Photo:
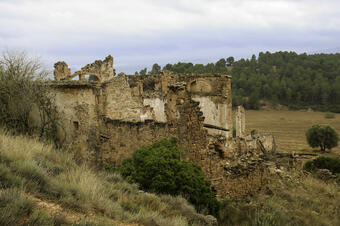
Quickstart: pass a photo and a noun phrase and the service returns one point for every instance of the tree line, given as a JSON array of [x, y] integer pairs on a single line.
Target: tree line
[[287, 78]]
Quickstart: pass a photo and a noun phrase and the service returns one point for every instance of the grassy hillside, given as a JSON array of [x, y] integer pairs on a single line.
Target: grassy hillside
[[292, 198], [289, 127], [43, 186], [40, 185]]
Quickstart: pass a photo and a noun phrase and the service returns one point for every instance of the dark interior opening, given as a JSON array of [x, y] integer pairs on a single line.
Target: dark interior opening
[[76, 125]]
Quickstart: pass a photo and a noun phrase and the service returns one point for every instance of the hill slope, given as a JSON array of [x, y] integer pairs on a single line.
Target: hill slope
[[43, 186]]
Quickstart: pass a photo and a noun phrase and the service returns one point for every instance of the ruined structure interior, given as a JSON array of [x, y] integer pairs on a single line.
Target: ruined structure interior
[[107, 117]]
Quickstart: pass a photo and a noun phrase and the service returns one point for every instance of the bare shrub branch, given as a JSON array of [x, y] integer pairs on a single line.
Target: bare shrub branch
[[21, 91]]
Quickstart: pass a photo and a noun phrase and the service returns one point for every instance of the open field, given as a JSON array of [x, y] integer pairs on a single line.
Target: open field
[[289, 127]]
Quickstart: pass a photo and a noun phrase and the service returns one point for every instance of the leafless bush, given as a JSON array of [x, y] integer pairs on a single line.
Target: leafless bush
[[22, 92]]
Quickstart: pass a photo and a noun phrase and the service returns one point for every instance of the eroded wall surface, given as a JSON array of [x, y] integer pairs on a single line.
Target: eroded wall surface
[[77, 106], [120, 104], [105, 121], [158, 107], [212, 92]]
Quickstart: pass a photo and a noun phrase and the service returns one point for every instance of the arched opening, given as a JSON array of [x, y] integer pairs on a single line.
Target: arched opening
[[200, 86], [94, 78]]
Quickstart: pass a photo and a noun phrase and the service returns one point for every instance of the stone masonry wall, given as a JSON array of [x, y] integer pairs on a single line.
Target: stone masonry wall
[[118, 139]]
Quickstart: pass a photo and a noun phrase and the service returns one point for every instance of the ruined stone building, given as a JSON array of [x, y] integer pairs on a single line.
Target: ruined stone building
[[107, 117]]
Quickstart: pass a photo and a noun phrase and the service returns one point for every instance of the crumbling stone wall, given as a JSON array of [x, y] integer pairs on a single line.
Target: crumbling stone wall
[[107, 119], [61, 71], [77, 106], [98, 71], [212, 92], [118, 138], [121, 104]]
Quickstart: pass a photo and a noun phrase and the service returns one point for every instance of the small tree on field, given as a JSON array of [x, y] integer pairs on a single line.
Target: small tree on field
[[322, 136], [159, 168]]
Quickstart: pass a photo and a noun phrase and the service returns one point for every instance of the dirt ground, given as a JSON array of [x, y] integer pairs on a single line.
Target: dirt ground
[[289, 127]]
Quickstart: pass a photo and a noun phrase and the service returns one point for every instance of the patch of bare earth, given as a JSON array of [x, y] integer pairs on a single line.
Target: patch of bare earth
[[71, 216], [55, 209]]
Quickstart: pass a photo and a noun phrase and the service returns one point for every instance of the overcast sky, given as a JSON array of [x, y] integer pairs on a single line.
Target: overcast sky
[[138, 33]]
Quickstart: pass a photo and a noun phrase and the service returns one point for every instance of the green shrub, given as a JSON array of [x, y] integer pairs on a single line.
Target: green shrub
[[322, 136], [329, 115], [159, 168], [322, 162]]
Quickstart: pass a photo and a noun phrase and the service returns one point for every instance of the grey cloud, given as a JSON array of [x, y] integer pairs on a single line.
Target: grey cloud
[[172, 48]]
